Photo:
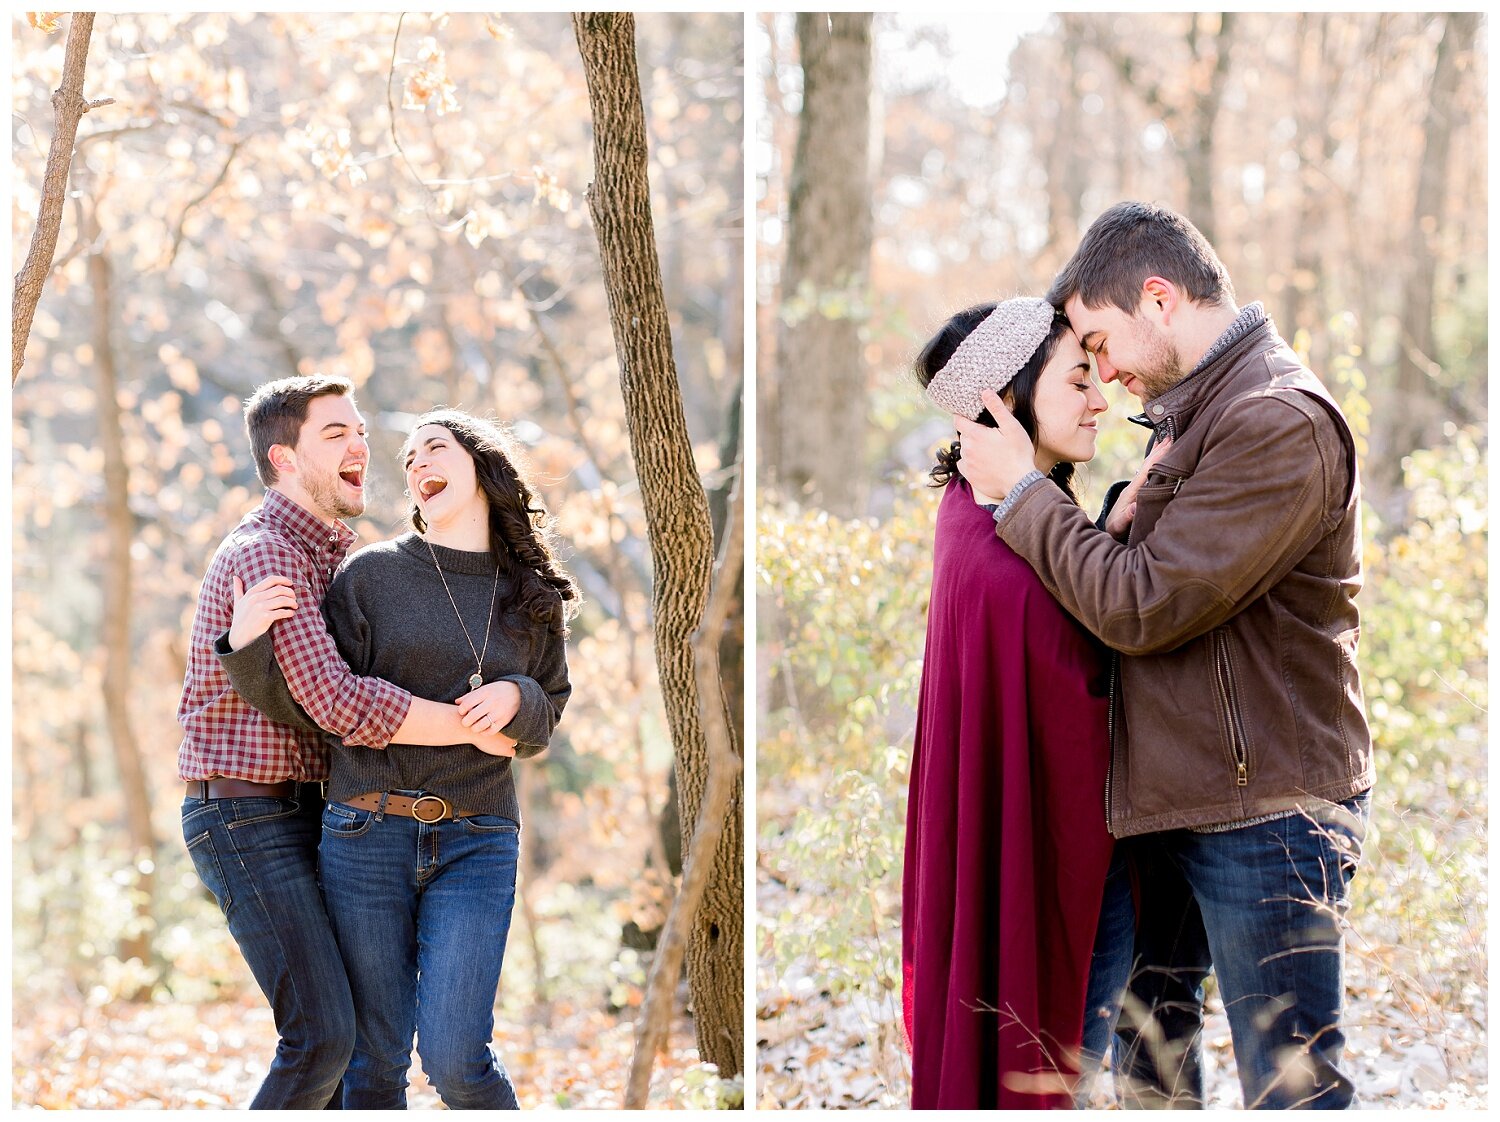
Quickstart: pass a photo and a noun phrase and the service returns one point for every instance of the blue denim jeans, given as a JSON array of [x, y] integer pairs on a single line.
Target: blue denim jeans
[[421, 912], [258, 856], [1264, 907], [1109, 971]]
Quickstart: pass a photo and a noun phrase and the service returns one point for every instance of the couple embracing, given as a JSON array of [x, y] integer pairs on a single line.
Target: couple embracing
[[359, 829], [1141, 750]]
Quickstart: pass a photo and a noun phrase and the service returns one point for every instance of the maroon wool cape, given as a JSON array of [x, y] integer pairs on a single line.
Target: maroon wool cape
[[1006, 845]]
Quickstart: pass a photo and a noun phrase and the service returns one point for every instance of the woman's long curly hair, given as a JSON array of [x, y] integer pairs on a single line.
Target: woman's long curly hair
[[522, 535], [1020, 393]]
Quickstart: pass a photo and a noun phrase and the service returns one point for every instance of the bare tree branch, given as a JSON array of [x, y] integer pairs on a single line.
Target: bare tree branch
[[199, 199], [390, 104], [69, 103]]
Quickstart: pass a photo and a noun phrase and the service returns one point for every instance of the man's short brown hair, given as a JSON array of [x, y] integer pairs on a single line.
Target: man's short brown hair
[[276, 411], [1132, 241]]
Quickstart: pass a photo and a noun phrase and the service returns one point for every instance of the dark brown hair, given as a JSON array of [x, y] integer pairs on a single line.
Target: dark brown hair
[[276, 411], [522, 535], [1132, 241], [1021, 392]]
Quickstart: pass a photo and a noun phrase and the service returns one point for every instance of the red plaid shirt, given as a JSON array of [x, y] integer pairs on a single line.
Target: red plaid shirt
[[226, 736]]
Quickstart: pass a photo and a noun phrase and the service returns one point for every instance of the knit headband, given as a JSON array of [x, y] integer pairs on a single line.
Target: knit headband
[[991, 355]]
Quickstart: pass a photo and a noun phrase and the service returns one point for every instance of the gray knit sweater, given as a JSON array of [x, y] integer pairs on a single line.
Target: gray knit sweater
[[392, 619]]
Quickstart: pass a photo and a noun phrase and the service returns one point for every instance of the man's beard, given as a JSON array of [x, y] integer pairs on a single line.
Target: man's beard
[[1160, 367], [327, 495]]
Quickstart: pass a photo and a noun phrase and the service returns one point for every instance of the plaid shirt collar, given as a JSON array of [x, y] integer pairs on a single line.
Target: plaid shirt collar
[[320, 538]]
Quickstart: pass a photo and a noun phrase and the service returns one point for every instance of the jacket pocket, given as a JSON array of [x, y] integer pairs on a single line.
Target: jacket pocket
[[1151, 500], [1226, 686]]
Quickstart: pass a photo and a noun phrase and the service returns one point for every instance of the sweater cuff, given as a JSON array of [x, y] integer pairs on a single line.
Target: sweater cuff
[[1005, 507], [532, 725]]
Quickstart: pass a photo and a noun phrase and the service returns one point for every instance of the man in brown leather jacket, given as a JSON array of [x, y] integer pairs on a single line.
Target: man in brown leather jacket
[[1240, 755]]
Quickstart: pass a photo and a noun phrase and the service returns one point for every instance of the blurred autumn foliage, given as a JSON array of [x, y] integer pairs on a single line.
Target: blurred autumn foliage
[[395, 198], [1337, 162]]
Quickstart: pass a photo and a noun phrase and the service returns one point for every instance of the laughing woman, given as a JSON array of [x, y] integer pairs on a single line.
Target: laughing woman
[[420, 845]]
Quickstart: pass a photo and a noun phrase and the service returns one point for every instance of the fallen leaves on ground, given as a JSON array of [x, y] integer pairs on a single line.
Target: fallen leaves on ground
[[816, 1053], [67, 1053]]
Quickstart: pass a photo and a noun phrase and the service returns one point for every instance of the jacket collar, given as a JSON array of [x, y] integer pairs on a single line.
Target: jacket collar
[[1170, 414]]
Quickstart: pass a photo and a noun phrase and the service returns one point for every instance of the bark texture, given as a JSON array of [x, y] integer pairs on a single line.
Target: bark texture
[[677, 518], [118, 590], [820, 369], [69, 103], [721, 792]]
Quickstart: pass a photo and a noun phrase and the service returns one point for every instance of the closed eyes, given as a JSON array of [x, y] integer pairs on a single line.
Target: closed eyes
[[431, 446]]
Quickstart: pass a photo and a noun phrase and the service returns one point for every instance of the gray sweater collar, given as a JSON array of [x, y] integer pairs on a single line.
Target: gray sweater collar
[[452, 560], [1182, 397], [1251, 316]]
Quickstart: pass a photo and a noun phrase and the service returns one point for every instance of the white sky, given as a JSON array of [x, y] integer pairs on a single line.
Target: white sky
[[979, 45]]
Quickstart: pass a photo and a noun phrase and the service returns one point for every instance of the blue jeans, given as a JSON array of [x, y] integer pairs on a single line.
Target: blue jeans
[[421, 912], [1264, 906], [1109, 971], [258, 856]]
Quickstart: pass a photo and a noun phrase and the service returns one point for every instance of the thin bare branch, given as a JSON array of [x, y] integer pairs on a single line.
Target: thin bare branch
[[69, 103], [199, 199]]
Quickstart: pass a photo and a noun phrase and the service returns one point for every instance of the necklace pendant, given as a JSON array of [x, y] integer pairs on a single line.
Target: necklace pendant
[[475, 681]]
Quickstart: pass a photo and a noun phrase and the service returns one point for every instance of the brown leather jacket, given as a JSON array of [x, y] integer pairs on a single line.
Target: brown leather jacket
[[1237, 693]]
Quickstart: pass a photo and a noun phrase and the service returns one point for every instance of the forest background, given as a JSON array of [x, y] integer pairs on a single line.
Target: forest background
[[1338, 164], [398, 199]]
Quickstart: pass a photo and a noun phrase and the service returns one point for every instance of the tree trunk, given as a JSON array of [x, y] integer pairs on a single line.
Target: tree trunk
[[768, 436], [676, 510], [1063, 158], [1210, 67], [732, 646], [664, 855], [115, 632], [820, 373], [1415, 413], [70, 106], [718, 810], [732, 643], [1304, 300], [1189, 116]]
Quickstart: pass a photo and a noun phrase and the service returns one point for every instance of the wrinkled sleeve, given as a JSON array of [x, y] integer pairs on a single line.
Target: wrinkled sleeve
[[363, 711], [256, 677], [544, 692], [1272, 466]]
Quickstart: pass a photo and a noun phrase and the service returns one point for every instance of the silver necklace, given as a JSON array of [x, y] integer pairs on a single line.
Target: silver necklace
[[475, 679]]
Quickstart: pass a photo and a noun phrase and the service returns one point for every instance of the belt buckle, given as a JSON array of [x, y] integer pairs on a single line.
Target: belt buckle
[[443, 811]]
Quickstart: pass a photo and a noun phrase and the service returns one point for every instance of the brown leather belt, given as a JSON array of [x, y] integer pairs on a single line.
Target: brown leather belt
[[421, 808], [241, 789]]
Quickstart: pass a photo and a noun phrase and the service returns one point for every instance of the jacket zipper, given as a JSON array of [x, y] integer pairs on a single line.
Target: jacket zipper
[[1114, 667], [1109, 775], [1238, 741]]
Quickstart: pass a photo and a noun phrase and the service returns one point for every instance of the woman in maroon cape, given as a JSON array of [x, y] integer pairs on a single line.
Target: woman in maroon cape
[[1006, 846]]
